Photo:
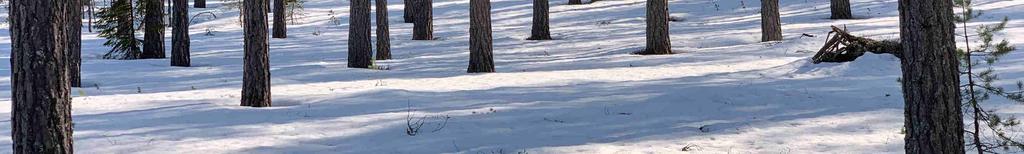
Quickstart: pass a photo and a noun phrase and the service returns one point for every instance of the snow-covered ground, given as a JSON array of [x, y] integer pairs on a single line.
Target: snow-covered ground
[[582, 93]]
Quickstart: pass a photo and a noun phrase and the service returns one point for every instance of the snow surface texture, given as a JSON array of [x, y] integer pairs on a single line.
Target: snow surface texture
[[581, 93]]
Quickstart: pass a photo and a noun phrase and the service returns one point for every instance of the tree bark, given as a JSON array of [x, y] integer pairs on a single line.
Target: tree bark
[[408, 11], [657, 28], [74, 42], [360, 50], [423, 28], [383, 32], [841, 9], [575, 2], [180, 39], [771, 27], [480, 50], [280, 25], [153, 44], [931, 77], [256, 78], [200, 3], [540, 29], [41, 102]]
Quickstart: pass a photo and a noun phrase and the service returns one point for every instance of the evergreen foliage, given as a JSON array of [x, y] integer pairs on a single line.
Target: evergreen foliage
[[116, 24]]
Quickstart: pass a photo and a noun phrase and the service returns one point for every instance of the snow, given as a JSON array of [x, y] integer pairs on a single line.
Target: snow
[[724, 92]]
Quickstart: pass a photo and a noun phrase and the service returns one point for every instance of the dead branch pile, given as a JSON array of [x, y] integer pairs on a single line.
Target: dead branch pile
[[843, 47]]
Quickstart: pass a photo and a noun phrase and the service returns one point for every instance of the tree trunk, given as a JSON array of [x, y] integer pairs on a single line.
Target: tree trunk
[[383, 32], [153, 44], [280, 25], [180, 39], [657, 28], [74, 42], [575, 2], [841, 9], [408, 12], [540, 29], [256, 78], [92, 5], [480, 49], [771, 27], [41, 102], [931, 77], [360, 50], [423, 28], [200, 3]]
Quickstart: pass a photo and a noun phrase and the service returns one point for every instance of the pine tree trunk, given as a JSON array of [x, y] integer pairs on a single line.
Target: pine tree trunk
[[423, 28], [360, 50], [126, 30], [256, 78], [480, 50], [771, 27], [153, 44], [200, 3], [280, 25], [383, 32], [540, 29], [841, 9], [931, 77], [408, 12], [575, 2], [41, 102], [180, 39], [74, 42], [657, 28]]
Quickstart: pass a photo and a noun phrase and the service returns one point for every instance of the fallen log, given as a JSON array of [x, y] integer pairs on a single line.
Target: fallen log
[[843, 47]]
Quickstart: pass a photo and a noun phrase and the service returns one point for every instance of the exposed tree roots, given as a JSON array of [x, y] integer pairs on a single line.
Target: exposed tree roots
[[843, 47]]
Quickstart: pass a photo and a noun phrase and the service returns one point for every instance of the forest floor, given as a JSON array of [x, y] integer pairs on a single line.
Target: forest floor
[[723, 92]]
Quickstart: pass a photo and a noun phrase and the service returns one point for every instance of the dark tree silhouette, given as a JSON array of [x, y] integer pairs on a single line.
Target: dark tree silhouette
[[383, 34], [280, 25], [657, 28], [540, 29], [575, 2], [153, 44], [771, 27], [423, 26], [480, 49], [200, 3], [179, 38], [256, 78], [360, 50], [409, 10], [841, 9], [41, 103], [74, 42]]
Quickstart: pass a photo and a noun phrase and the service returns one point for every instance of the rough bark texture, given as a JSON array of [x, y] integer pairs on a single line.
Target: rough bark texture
[[480, 49], [280, 25], [408, 11], [360, 50], [841, 9], [540, 29], [153, 44], [41, 103], [931, 77], [74, 42], [657, 28], [771, 27], [179, 39], [383, 32], [256, 78], [200, 3], [423, 28], [575, 2]]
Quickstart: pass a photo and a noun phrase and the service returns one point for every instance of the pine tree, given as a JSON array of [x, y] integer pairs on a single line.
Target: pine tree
[[153, 44], [423, 26], [480, 50], [540, 29], [575, 2], [74, 42], [408, 12], [116, 24], [280, 26], [40, 101], [383, 32], [657, 29], [179, 38], [200, 3], [841, 9], [771, 27], [256, 74], [360, 50]]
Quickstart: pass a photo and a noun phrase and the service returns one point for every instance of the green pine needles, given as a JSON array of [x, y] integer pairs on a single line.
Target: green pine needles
[[116, 24]]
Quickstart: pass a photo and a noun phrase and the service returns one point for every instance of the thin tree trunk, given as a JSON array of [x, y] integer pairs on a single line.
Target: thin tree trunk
[[657, 28], [931, 77], [423, 28], [540, 29], [153, 44], [280, 25], [360, 50], [383, 32], [575, 2], [256, 78], [480, 50], [180, 39], [41, 103], [408, 11], [200, 4], [771, 27], [841, 9], [74, 42], [92, 4]]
